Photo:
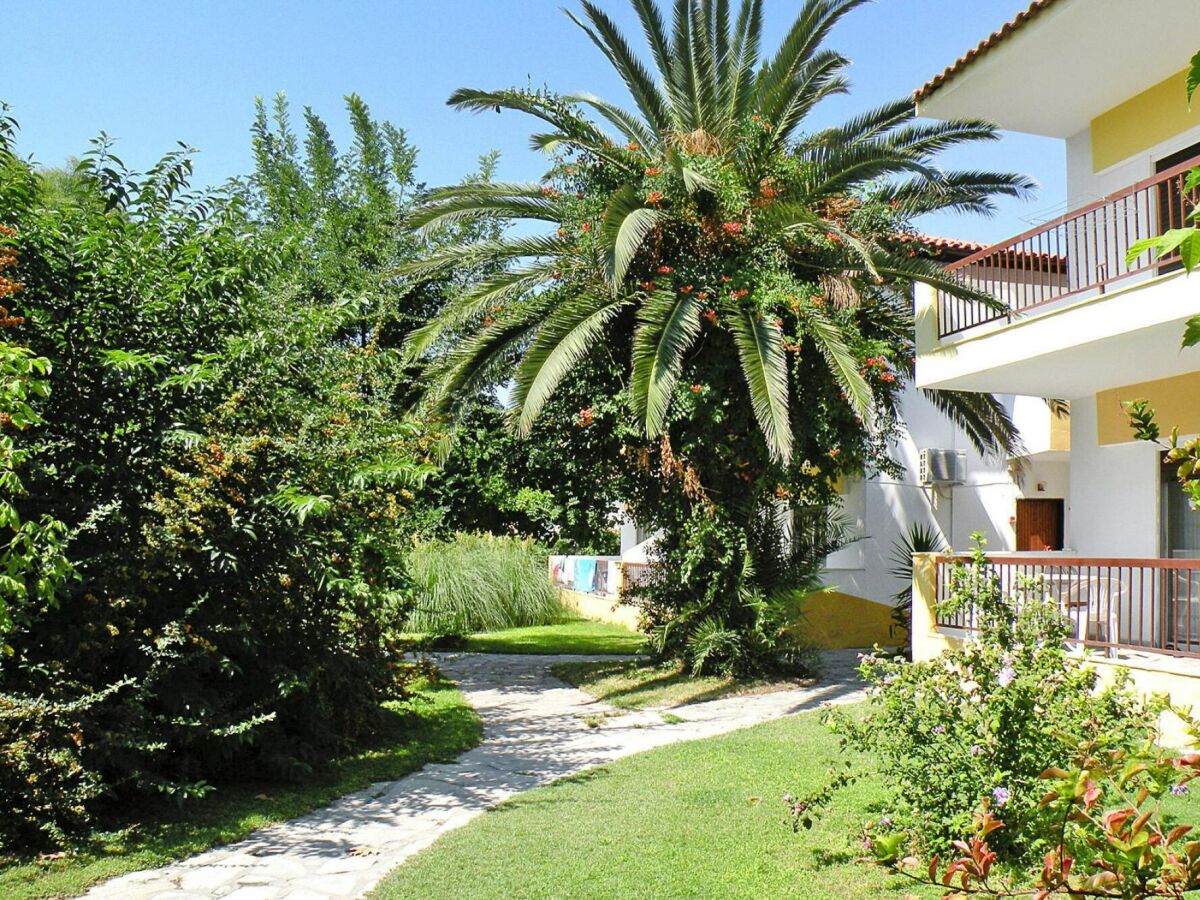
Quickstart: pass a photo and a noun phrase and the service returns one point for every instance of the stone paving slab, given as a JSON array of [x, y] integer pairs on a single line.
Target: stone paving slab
[[534, 733]]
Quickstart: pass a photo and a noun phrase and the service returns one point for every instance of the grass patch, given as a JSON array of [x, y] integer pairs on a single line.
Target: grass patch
[[701, 818], [416, 733], [631, 684], [566, 635]]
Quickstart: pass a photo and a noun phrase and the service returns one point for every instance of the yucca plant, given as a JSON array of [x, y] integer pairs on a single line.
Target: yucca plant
[[919, 538], [750, 281]]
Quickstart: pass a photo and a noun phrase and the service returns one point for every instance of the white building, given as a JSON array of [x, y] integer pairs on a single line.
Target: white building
[[1107, 78]]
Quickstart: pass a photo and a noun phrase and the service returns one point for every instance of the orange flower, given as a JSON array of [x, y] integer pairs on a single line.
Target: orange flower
[[654, 198], [665, 270], [732, 227], [584, 418], [653, 171], [696, 388], [647, 285], [587, 226], [632, 148], [686, 289]]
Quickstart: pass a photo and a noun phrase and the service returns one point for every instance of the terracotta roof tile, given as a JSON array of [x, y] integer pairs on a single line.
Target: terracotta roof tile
[[985, 45]]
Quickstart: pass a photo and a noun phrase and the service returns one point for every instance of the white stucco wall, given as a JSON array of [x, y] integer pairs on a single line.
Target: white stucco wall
[[887, 507], [1114, 505]]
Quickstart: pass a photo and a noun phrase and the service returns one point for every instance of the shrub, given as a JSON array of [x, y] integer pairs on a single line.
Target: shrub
[[47, 789], [1104, 820], [984, 718], [728, 600], [479, 582]]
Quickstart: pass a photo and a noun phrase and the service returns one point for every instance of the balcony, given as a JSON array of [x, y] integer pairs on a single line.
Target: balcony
[[1076, 317], [1079, 255], [1115, 606]]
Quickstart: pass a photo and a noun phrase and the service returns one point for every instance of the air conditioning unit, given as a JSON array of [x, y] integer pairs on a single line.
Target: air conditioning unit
[[943, 466]]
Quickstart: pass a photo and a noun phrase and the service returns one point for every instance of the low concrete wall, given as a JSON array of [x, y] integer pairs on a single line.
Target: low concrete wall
[[603, 608], [1148, 674]]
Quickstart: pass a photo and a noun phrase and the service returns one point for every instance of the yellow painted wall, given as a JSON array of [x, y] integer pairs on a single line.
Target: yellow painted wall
[[837, 621], [1174, 399], [1153, 116], [1060, 431], [832, 620], [602, 609]]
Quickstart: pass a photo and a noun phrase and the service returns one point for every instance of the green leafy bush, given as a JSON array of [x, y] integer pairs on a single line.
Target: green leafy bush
[[985, 719], [1105, 819], [220, 438], [48, 791], [479, 582]]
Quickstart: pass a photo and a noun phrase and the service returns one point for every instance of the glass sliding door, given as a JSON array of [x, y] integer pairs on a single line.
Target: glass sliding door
[[1180, 539]]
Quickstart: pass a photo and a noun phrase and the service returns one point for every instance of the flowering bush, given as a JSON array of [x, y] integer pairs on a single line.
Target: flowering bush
[[981, 720], [1104, 820]]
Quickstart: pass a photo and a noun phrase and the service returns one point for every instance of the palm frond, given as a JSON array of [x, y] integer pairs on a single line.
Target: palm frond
[[818, 79], [626, 224], [493, 291], [867, 125], [958, 191], [746, 42], [927, 271], [499, 251], [567, 336], [764, 365], [605, 34], [777, 82], [468, 207], [655, 31], [684, 76], [630, 126], [668, 325], [982, 418], [842, 363]]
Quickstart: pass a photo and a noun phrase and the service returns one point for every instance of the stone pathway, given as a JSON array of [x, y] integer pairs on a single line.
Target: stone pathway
[[534, 732]]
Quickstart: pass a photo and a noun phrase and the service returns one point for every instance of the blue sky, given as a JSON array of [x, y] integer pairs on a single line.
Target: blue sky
[[150, 73]]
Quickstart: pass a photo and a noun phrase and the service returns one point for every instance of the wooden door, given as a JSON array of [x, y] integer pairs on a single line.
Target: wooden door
[[1039, 525]]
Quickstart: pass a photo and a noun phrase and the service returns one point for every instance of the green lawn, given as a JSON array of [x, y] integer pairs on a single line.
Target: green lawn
[[696, 819], [434, 731], [631, 684], [569, 635]]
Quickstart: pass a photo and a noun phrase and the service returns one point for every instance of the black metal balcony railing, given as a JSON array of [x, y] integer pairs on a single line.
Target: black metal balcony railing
[[1080, 253]]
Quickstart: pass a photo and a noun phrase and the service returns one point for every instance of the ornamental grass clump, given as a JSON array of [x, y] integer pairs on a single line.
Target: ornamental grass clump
[[980, 721], [479, 582]]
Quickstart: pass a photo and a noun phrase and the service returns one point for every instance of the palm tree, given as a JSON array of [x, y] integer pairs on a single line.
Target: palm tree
[[711, 167]]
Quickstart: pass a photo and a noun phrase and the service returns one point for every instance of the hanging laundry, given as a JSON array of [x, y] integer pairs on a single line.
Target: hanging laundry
[[585, 574]]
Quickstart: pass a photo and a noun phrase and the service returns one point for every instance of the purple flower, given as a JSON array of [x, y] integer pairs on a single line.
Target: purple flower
[[1006, 676], [976, 750], [1001, 796], [939, 729], [885, 822], [1179, 790]]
